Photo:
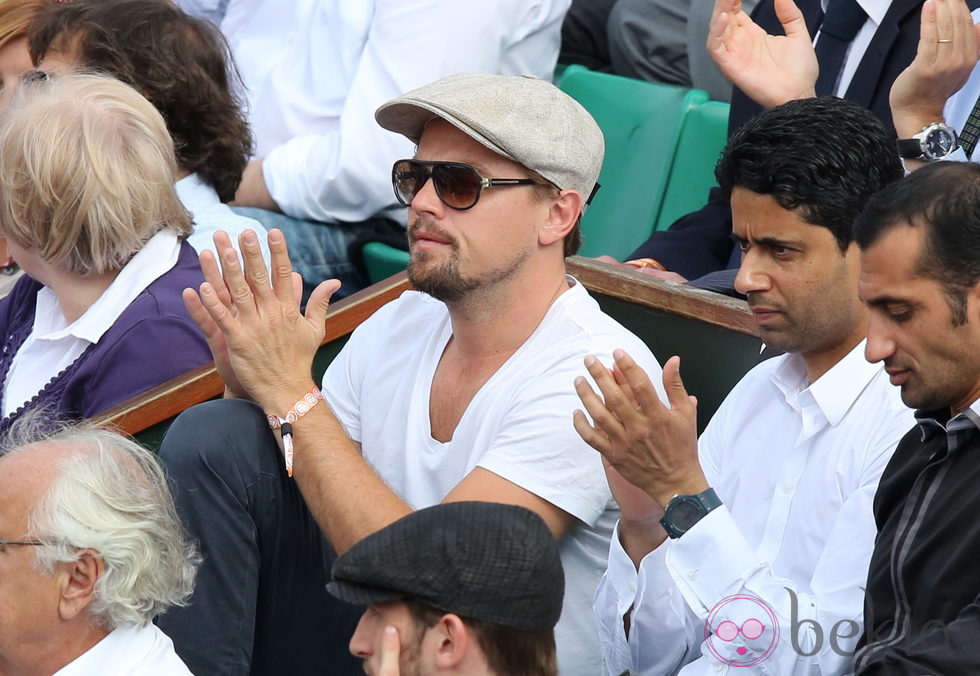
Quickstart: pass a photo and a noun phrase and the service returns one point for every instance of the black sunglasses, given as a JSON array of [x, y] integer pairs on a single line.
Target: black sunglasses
[[458, 185]]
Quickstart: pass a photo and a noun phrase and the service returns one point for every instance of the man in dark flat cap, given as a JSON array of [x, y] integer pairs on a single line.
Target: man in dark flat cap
[[458, 588]]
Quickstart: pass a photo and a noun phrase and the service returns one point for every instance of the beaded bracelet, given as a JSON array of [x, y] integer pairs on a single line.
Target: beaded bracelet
[[285, 425]]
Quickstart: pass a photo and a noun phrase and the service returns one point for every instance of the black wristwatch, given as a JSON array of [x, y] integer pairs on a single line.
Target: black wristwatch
[[934, 142], [683, 511]]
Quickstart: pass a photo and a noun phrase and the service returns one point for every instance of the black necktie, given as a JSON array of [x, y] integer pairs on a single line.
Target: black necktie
[[841, 23]]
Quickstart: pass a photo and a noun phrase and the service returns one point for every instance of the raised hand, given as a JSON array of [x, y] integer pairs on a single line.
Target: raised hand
[[652, 446], [216, 340], [949, 45], [263, 346], [770, 69]]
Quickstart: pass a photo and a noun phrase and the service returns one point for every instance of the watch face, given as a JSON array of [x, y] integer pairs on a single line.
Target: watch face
[[938, 143], [685, 513]]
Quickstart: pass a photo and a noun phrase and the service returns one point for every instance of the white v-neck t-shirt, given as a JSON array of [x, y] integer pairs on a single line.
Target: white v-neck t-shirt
[[518, 426]]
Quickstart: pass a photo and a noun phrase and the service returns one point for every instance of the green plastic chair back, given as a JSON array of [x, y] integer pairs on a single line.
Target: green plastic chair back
[[641, 122], [383, 261], [692, 173]]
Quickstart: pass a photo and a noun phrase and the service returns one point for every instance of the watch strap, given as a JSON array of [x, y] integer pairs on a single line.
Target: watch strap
[[909, 148], [708, 501]]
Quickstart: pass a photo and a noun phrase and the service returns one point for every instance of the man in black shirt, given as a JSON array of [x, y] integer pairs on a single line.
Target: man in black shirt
[[920, 276]]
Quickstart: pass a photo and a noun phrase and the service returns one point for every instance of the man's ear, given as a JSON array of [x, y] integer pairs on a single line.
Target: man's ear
[[78, 583], [453, 641], [562, 217]]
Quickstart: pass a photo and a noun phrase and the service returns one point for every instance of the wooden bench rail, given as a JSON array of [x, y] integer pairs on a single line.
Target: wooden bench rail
[[167, 400], [673, 298]]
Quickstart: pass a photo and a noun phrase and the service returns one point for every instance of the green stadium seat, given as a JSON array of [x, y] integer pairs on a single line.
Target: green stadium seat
[[641, 122], [382, 260], [692, 174]]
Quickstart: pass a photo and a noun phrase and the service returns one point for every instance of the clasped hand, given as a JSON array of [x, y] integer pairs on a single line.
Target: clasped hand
[[263, 346]]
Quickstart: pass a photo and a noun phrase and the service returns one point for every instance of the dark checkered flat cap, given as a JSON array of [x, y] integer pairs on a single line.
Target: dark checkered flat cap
[[481, 560]]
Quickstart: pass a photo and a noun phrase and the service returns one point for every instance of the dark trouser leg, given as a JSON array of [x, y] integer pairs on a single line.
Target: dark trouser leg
[[260, 605]]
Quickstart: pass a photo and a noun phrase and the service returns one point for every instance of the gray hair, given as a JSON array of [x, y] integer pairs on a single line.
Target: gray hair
[[111, 496]]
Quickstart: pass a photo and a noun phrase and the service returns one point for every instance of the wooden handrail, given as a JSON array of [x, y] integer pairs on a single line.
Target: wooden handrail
[[671, 297], [167, 400]]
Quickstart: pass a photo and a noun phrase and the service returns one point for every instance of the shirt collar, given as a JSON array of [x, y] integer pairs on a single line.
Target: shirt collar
[[832, 394], [932, 422], [156, 257], [875, 9], [195, 194]]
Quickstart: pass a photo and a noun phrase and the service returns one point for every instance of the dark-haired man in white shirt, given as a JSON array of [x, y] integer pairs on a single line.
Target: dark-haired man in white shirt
[[750, 546]]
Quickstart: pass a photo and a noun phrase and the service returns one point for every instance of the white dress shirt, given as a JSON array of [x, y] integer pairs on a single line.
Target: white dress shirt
[[129, 651], [53, 344], [316, 70], [797, 467], [210, 216]]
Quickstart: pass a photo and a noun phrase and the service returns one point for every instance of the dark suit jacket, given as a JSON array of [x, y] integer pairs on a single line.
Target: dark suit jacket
[[700, 242]]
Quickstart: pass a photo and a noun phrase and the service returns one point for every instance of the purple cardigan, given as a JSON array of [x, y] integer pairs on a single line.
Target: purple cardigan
[[152, 341]]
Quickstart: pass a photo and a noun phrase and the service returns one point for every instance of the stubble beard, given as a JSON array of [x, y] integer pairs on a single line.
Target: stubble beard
[[443, 280]]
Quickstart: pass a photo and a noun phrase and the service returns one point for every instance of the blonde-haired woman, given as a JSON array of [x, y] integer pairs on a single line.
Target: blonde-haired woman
[[90, 213], [15, 60]]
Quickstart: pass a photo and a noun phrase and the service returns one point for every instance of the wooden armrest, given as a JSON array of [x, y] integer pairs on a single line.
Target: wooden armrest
[[671, 297]]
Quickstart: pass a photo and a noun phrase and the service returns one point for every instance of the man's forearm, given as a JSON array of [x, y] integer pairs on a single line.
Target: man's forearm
[[345, 495], [253, 191]]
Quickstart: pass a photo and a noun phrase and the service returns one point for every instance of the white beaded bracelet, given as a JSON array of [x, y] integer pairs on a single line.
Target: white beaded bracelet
[[285, 425]]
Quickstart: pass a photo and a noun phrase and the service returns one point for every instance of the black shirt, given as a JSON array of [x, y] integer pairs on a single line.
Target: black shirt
[[921, 608]]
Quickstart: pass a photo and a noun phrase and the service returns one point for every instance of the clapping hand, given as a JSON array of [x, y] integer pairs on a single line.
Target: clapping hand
[[770, 69], [651, 446], [263, 346]]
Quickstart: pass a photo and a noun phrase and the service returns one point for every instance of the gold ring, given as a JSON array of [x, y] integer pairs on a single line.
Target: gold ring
[[943, 42]]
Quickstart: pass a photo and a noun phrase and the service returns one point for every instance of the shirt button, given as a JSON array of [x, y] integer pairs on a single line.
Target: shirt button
[[691, 574], [787, 488], [719, 667]]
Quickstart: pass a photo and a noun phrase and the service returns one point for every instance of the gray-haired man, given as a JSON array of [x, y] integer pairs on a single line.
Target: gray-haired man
[[461, 390], [90, 551]]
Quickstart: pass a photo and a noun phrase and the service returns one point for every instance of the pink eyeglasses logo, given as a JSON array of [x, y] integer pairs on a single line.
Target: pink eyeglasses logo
[[758, 625]]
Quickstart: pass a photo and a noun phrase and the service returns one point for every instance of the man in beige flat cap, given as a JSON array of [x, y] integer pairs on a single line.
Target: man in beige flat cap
[[459, 390]]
